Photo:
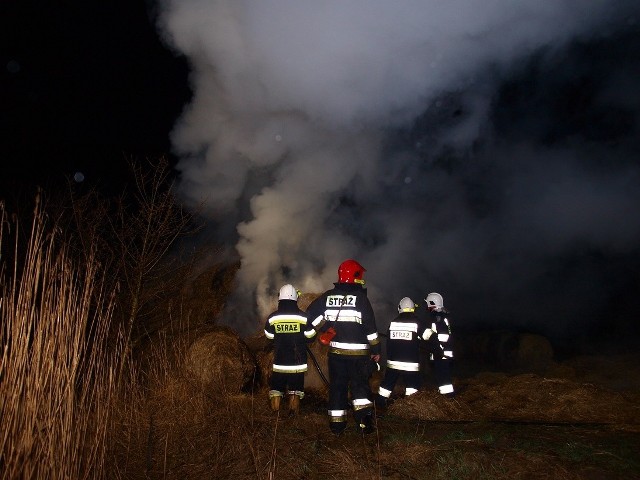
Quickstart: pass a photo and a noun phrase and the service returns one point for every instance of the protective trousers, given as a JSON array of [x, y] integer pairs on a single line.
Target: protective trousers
[[349, 374], [287, 382], [412, 382], [442, 371]]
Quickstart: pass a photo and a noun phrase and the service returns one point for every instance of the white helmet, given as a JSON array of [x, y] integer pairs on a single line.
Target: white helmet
[[288, 292], [434, 301], [406, 305]]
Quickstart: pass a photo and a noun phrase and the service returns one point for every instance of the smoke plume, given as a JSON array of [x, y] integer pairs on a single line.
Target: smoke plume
[[481, 149]]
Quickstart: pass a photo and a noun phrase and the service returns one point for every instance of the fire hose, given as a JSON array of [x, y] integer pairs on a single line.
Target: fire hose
[[317, 365]]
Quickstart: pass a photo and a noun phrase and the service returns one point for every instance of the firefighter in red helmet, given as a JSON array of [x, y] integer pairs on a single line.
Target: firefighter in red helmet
[[344, 317]]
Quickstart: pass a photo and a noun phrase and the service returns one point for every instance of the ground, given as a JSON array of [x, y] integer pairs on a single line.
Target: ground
[[560, 425]]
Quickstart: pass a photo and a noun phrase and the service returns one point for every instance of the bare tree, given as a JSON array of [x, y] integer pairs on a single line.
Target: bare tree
[[147, 225]]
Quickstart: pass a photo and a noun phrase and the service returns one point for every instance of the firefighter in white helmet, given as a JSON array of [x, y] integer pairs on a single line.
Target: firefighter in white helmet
[[345, 319], [404, 336], [290, 332], [438, 336]]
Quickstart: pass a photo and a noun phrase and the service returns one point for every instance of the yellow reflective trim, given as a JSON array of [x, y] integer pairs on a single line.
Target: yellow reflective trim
[[339, 351], [286, 327], [302, 367]]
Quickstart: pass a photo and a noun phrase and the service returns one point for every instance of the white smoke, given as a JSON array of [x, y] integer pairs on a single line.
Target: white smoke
[[288, 138]]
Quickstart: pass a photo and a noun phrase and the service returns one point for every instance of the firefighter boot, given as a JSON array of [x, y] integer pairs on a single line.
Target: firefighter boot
[[294, 404], [275, 402]]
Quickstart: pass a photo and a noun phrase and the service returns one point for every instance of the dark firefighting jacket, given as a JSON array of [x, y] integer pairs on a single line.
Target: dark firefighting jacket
[[439, 335], [347, 309], [404, 336], [290, 332]]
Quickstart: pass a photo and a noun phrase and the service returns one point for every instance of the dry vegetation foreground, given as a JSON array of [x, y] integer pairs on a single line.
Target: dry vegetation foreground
[[111, 367], [524, 426]]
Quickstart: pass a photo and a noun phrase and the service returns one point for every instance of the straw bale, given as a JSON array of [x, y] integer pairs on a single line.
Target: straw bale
[[220, 360], [305, 300], [618, 372], [263, 351], [264, 361], [206, 294], [312, 379], [509, 350], [534, 352]]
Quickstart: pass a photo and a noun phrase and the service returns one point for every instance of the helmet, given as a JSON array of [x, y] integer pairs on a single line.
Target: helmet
[[406, 305], [288, 292], [434, 301], [351, 271]]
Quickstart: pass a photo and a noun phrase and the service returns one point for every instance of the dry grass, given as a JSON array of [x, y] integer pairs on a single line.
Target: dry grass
[[176, 429], [533, 398], [66, 415], [184, 431], [56, 375]]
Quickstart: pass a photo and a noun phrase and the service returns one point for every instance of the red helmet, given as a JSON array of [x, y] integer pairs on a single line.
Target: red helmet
[[351, 271]]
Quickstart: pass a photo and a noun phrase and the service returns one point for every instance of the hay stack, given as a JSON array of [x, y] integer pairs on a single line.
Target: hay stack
[[305, 300], [312, 379], [220, 361], [534, 353], [510, 351], [530, 397], [429, 405], [206, 293]]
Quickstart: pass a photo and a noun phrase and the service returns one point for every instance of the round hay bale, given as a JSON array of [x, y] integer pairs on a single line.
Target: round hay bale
[[507, 350], [305, 300], [220, 361], [312, 379], [534, 352], [488, 347], [264, 360]]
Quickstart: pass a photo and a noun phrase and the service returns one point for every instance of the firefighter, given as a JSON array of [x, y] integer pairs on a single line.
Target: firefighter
[[438, 335], [344, 317], [403, 353], [290, 332]]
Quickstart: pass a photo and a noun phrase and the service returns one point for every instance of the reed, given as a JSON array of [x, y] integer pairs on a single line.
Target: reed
[[59, 357]]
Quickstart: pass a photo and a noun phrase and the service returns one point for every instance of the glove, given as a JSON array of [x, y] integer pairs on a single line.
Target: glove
[[327, 336]]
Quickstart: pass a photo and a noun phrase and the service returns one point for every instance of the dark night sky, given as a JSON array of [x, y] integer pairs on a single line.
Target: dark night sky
[[83, 86], [501, 171]]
